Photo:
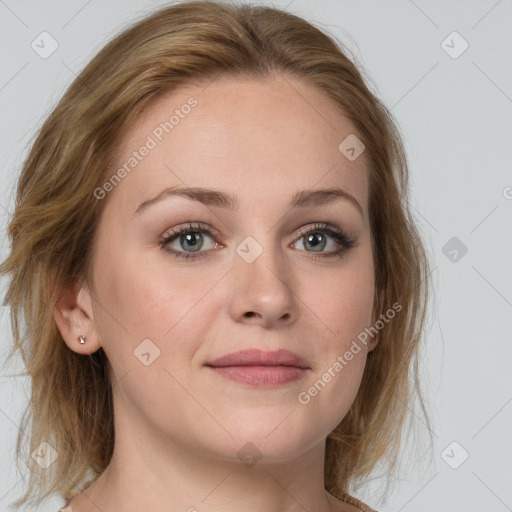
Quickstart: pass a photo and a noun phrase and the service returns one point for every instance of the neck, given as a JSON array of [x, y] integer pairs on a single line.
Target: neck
[[149, 471]]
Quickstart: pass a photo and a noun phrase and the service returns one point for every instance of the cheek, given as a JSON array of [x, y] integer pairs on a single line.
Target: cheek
[[345, 312], [138, 301], [344, 306], [140, 297], [326, 399]]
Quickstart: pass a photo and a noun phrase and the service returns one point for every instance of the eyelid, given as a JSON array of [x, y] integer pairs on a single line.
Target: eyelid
[[199, 226]]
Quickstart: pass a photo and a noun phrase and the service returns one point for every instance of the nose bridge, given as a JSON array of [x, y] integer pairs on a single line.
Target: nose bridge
[[261, 254], [262, 279]]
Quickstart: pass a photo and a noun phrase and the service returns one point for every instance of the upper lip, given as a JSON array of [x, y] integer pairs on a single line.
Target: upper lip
[[256, 357]]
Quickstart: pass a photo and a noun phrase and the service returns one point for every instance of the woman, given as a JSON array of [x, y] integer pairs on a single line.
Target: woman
[[222, 289]]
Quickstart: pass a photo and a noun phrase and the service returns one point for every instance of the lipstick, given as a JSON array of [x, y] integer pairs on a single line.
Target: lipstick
[[260, 368]]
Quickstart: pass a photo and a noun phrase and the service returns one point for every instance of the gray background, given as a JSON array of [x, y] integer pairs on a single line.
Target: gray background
[[455, 113]]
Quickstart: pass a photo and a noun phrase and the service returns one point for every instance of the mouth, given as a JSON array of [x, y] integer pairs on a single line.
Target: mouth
[[260, 368]]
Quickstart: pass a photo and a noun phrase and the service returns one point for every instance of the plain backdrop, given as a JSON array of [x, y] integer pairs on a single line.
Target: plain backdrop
[[444, 69]]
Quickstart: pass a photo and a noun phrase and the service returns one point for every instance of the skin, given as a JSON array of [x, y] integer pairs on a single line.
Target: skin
[[179, 425]]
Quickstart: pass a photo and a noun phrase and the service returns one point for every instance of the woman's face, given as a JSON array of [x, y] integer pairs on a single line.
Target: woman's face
[[270, 276]]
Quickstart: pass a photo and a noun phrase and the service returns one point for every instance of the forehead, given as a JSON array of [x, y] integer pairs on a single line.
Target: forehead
[[256, 138]]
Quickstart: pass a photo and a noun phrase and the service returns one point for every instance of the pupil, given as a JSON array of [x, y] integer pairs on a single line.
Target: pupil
[[190, 242], [311, 237]]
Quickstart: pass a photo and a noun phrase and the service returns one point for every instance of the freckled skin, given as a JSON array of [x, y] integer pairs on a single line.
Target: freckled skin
[[179, 425]]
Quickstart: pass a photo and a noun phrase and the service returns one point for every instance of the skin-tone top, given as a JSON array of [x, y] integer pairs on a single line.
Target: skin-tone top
[[343, 496]]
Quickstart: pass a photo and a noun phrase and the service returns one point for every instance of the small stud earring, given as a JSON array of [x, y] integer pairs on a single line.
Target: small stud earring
[[82, 339]]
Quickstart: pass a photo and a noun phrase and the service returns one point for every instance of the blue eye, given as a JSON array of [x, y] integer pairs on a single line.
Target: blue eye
[[315, 236], [190, 236]]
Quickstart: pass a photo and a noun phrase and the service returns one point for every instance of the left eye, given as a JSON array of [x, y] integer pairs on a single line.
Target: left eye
[[316, 240], [191, 237]]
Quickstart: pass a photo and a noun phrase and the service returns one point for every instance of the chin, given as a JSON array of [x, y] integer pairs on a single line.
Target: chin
[[266, 441]]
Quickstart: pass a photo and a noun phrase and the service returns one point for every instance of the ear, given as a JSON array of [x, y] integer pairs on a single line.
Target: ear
[[372, 342], [374, 316], [73, 314]]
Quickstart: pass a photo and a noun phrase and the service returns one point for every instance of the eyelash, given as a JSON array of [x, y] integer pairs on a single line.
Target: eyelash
[[338, 235]]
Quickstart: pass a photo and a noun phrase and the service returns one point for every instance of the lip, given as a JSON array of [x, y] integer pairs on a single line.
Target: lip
[[256, 357], [260, 368]]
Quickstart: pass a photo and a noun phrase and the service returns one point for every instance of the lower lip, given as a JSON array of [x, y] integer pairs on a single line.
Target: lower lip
[[260, 375]]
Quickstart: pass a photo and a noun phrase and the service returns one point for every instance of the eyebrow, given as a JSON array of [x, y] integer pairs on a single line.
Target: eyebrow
[[219, 199]]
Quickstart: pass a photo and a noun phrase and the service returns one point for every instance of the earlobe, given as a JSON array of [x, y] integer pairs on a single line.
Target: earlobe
[[374, 340], [74, 318], [373, 343]]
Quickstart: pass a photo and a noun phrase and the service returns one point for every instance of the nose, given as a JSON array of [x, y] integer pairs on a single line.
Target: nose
[[262, 285]]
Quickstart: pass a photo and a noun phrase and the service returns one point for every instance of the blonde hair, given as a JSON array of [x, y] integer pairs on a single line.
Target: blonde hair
[[53, 228]]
